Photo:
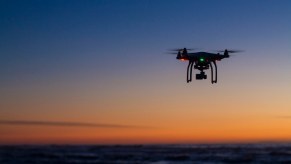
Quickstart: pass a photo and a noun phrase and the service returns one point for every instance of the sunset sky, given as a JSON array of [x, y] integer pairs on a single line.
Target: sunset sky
[[105, 62]]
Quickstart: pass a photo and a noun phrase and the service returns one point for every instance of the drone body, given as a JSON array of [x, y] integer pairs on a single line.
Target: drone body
[[201, 61]]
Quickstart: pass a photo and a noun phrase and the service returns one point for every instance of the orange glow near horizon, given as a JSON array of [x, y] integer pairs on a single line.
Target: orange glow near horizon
[[220, 121], [61, 135]]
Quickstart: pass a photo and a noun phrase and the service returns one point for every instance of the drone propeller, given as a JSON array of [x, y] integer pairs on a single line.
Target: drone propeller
[[181, 49], [230, 51], [172, 53]]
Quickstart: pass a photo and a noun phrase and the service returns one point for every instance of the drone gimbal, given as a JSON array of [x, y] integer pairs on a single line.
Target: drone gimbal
[[201, 67]]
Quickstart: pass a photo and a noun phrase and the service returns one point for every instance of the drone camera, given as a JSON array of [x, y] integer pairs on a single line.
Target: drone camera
[[201, 76]]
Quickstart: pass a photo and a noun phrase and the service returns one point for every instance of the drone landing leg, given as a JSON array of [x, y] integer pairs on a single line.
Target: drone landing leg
[[211, 69], [188, 72], [215, 71], [191, 67]]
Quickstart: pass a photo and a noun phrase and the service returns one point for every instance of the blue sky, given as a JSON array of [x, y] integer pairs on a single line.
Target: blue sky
[[60, 35]]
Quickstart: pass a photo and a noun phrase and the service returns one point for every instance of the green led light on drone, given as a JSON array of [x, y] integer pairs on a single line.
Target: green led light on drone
[[201, 59]]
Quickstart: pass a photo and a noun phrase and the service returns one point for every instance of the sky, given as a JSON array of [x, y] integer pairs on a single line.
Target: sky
[[98, 72]]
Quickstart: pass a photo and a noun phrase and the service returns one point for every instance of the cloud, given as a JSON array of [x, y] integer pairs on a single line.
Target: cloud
[[67, 124]]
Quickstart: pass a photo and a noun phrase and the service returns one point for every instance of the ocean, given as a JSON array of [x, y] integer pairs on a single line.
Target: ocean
[[144, 154]]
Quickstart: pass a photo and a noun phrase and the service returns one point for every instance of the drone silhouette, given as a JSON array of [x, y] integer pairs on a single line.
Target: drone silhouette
[[202, 61]]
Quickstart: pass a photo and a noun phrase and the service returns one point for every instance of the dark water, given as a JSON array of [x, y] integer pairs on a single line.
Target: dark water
[[154, 154]]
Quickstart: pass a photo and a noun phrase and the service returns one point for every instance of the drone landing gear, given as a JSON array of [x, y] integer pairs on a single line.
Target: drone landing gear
[[190, 67], [213, 81]]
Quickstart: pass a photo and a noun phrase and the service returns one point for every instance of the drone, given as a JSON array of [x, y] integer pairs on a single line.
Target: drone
[[202, 61]]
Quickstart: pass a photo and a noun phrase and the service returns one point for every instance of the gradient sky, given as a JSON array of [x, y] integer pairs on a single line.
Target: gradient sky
[[105, 62]]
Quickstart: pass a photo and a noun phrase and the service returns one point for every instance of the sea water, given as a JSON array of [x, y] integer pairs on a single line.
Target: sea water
[[153, 154]]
